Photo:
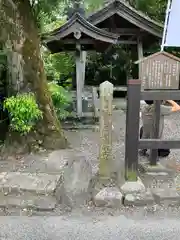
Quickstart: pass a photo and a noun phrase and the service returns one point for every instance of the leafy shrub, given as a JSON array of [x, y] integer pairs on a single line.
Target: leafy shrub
[[59, 65], [61, 98], [23, 112]]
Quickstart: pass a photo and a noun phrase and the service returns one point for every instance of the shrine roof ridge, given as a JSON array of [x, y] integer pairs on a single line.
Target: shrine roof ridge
[[77, 21], [156, 54], [116, 6]]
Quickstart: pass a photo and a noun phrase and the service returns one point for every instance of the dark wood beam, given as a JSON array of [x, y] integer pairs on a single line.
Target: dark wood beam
[[91, 41], [74, 41], [133, 38], [140, 52], [129, 42], [160, 95], [125, 31], [159, 144], [132, 136]]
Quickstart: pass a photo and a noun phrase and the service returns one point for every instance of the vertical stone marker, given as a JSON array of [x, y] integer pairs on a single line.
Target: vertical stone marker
[[105, 154]]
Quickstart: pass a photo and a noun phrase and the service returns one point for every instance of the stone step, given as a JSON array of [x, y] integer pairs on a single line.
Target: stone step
[[38, 183], [152, 180], [166, 196], [28, 201], [78, 126], [139, 199], [159, 168], [28, 190], [155, 176]]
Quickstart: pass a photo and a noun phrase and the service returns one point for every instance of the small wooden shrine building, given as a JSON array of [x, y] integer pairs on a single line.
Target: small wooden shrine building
[[115, 23], [133, 27], [79, 35]]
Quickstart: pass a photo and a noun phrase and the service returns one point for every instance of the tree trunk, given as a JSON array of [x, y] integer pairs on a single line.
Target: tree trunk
[[25, 59]]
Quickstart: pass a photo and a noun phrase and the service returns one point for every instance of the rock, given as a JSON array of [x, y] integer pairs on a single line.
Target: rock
[[77, 176], [38, 183], [133, 187], [109, 197], [41, 203], [139, 199], [28, 190], [146, 167], [97, 129], [166, 196], [58, 159], [52, 163]]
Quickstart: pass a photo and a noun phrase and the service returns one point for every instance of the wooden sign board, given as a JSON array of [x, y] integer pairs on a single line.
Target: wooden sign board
[[159, 71]]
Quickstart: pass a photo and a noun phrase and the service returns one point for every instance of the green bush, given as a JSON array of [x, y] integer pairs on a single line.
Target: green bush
[[23, 112], [61, 98]]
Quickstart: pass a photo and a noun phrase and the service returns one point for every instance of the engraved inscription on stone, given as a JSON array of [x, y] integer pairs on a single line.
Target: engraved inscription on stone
[[160, 72]]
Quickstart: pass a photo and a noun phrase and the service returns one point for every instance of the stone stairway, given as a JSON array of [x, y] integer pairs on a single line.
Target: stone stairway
[[45, 182], [28, 190]]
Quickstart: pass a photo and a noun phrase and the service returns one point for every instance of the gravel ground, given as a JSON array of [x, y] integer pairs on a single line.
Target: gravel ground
[[85, 228], [172, 131], [86, 141], [89, 141]]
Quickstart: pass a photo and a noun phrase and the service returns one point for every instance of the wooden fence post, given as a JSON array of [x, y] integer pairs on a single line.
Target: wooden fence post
[[105, 154], [132, 129], [156, 121]]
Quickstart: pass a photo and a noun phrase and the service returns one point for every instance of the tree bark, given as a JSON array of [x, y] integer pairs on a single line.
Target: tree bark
[[24, 50]]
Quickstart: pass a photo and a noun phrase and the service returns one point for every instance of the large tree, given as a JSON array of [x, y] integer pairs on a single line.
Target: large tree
[[20, 31]]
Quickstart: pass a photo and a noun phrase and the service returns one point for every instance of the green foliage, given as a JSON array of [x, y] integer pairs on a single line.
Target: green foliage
[[92, 5], [23, 111], [111, 65], [53, 24], [45, 11], [61, 99], [58, 65], [153, 8]]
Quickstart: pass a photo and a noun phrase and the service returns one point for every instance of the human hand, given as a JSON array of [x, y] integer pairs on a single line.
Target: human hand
[[170, 101]]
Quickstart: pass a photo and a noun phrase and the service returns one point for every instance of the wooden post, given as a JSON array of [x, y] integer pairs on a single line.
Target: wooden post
[[105, 155], [78, 81], [140, 53], [132, 129], [95, 102], [83, 59], [156, 118]]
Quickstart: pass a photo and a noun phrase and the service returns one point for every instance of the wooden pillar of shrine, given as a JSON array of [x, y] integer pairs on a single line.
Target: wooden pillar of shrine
[[83, 63], [140, 53], [79, 80]]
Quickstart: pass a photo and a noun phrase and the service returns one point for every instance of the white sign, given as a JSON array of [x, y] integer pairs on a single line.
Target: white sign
[[171, 36]]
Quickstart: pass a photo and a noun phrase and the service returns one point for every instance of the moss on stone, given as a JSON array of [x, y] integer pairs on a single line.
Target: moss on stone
[[131, 176]]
